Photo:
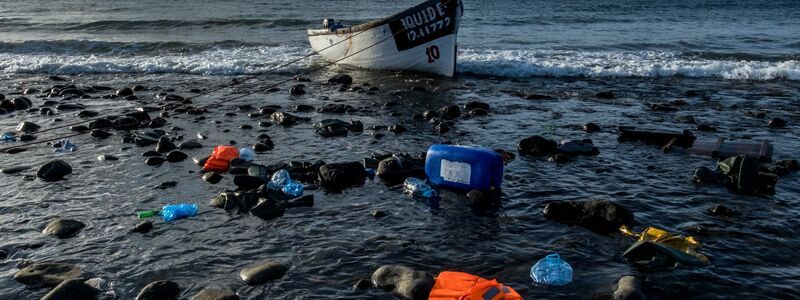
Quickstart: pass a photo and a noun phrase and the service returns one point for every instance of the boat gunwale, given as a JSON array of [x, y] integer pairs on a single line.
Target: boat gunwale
[[371, 24]]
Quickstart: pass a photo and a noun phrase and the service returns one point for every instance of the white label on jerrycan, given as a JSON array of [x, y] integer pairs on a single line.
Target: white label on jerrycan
[[454, 171]]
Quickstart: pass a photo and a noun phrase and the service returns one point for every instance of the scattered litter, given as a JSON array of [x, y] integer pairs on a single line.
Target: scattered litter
[[658, 249], [552, 270], [464, 168]]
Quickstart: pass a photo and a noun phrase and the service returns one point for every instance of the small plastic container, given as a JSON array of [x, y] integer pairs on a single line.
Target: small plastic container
[[178, 211], [552, 270], [464, 168], [418, 188], [722, 149]]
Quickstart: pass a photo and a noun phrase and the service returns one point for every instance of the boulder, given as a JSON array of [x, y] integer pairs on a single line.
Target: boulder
[[54, 170], [63, 228], [155, 161], [537, 146], [124, 92], [263, 273], [335, 177], [47, 274], [405, 282], [332, 127], [394, 170], [72, 289], [599, 216], [216, 293], [160, 290], [628, 288]]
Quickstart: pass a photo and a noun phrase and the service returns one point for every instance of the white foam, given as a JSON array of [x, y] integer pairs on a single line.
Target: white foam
[[537, 63]]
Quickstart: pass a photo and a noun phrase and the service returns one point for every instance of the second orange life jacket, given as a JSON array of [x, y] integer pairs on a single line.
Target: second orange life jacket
[[220, 159], [464, 286]]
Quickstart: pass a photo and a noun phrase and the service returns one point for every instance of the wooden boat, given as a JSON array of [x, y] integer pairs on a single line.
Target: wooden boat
[[419, 39]]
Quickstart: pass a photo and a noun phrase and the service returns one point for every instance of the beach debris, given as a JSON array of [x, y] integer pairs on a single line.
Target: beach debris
[[659, 249], [599, 216]]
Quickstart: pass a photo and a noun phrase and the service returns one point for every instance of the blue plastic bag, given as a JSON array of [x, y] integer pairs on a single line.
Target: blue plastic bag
[[552, 270], [293, 188], [178, 211]]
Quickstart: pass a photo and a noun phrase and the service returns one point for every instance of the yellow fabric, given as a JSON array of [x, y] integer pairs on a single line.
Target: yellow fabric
[[687, 244]]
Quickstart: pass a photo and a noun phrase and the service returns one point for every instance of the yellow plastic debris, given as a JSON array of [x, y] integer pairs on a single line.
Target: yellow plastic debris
[[688, 244]]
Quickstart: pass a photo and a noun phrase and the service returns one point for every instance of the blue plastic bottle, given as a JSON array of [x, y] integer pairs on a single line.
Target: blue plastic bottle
[[552, 270], [178, 211], [464, 168]]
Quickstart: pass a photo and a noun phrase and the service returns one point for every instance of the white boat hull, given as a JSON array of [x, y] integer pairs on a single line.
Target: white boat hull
[[421, 39]]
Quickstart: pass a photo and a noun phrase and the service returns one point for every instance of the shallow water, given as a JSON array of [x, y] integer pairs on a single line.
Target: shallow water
[[337, 242]]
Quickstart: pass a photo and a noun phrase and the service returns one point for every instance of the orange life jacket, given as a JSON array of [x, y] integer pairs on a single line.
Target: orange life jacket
[[463, 286], [220, 159]]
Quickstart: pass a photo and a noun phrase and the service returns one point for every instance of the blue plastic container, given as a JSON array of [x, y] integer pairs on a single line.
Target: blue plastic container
[[552, 270], [464, 168]]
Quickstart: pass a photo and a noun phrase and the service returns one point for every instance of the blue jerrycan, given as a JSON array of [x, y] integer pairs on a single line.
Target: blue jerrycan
[[463, 167]]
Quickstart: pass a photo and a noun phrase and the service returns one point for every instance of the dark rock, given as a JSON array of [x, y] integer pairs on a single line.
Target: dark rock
[[125, 123], [70, 106], [362, 284], [335, 108], [404, 281], [418, 89], [303, 201], [263, 273], [14, 170], [537, 97], [705, 175], [341, 79], [267, 210], [138, 88], [166, 184], [188, 145], [297, 90], [537, 146], [176, 156], [777, 123], [63, 228], [46, 111], [100, 123], [394, 170], [54, 170], [429, 114], [107, 157], [442, 128], [21, 103], [267, 110], [124, 92], [262, 147], [26, 137], [397, 129], [160, 290], [79, 128], [478, 112], [27, 127], [662, 107], [212, 177], [87, 114], [143, 227], [450, 112], [560, 158], [151, 153], [706, 127], [72, 289], [591, 127], [335, 177], [216, 293], [628, 288], [355, 126], [47, 274], [475, 104], [246, 127], [599, 216], [157, 122], [200, 161], [605, 95], [100, 134], [378, 214], [155, 161], [573, 147], [284, 119], [331, 128], [28, 91], [165, 145], [16, 150], [303, 108]]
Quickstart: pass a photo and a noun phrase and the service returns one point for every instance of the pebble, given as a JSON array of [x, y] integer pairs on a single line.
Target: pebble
[[212, 177], [777, 123], [154, 161], [14, 170], [47, 274], [188, 145], [124, 92], [107, 157], [165, 145], [160, 290], [72, 289], [143, 227], [176, 156], [216, 293], [377, 214], [27, 127], [263, 273], [591, 127], [63, 228], [54, 170]]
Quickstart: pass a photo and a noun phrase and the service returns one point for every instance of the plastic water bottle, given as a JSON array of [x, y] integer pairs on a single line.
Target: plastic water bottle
[[178, 211], [293, 188], [247, 154], [278, 180], [8, 137], [66, 147], [552, 270], [418, 188]]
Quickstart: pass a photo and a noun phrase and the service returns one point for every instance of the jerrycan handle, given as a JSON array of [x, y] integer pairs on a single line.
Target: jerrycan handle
[[553, 256]]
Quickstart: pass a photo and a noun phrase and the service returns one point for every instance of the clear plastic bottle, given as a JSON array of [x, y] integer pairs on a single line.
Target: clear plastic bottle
[[278, 180], [8, 137], [178, 211], [552, 270], [293, 188], [418, 188], [247, 154]]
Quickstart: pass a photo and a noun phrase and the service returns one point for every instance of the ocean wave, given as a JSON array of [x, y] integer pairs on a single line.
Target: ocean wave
[[86, 47], [127, 25], [542, 63]]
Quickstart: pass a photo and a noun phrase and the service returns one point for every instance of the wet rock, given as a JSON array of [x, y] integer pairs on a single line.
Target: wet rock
[[704, 175], [341, 79], [216, 293], [21, 103], [27, 127], [706, 127], [335, 108], [537, 97], [628, 288], [79, 128], [54, 170], [362, 284], [303, 201], [297, 90], [46, 111], [478, 112], [87, 114], [335, 177], [143, 227], [26, 137], [331, 128], [157, 122], [124, 92], [267, 210], [397, 129], [394, 170], [72, 289], [125, 123], [100, 123], [599, 216], [165, 145], [151, 153], [107, 157], [377, 214], [605, 95], [573, 147], [100, 134], [686, 119], [476, 104], [777, 123], [70, 106], [155, 161], [303, 108], [28, 91], [263, 273], [212, 177], [591, 127], [560, 158], [403, 281], [189, 145], [442, 128], [418, 89], [429, 114], [784, 167], [14, 170], [450, 112], [284, 119], [537, 146], [165, 185], [720, 210], [263, 147], [176, 156], [16, 150], [355, 126], [200, 162], [160, 290], [246, 127], [662, 107], [63, 228], [47, 274]]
